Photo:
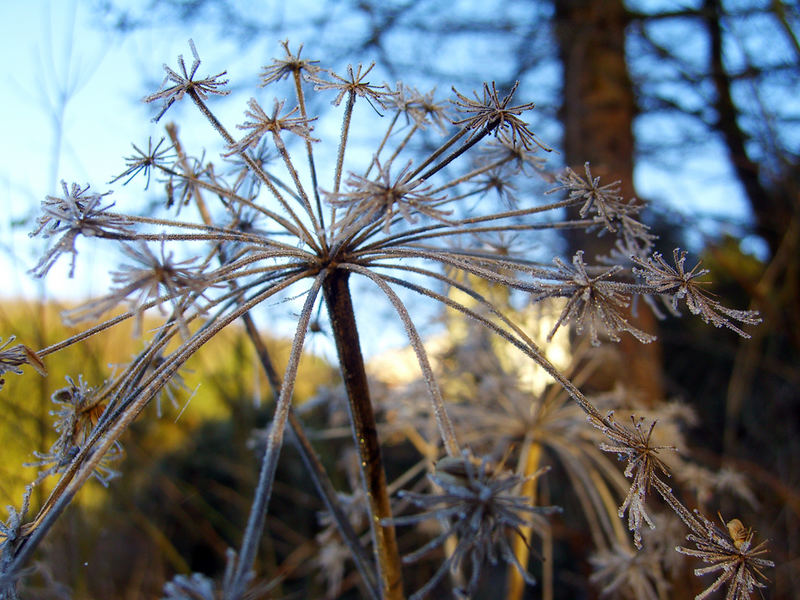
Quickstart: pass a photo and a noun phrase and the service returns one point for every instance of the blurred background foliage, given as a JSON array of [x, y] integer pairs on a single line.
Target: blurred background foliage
[[186, 476]]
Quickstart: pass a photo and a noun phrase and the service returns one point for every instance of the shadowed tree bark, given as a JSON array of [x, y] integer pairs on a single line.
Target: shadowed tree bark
[[597, 113]]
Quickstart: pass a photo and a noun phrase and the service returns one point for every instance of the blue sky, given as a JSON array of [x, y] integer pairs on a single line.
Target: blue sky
[[71, 109]]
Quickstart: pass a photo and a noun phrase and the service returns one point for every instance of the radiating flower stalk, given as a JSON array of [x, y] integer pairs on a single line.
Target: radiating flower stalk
[[272, 227]]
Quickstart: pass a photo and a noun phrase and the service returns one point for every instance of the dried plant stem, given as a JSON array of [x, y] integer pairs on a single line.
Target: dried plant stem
[[548, 578], [515, 585], [301, 102], [315, 468], [348, 114], [269, 464], [343, 325], [446, 428], [298, 227], [461, 150], [172, 131]]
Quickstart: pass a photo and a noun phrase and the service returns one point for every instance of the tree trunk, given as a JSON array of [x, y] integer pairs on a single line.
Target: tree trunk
[[597, 113]]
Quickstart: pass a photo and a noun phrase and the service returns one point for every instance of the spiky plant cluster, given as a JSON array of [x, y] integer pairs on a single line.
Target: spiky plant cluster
[[498, 410], [270, 229], [482, 510], [730, 553]]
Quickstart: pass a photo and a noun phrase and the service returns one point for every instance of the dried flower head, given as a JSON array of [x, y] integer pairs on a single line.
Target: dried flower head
[[262, 124], [148, 277], [382, 199], [184, 83], [77, 213], [480, 508], [197, 586], [79, 408], [729, 551], [595, 301], [10, 537], [292, 64], [143, 162], [391, 231], [624, 573], [644, 467], [603, 200], [11, 359], [492, 113], [678, 283], [421, 109], [522, 160], [355, 84]]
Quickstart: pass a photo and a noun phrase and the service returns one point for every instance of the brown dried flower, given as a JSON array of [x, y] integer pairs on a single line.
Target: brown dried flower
[[680, 283], [184, 83], [644, 467], [731, 551], [492, 113], [11, 359]]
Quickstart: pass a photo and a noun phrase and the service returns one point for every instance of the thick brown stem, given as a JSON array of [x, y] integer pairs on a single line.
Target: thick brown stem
[[362, 418]]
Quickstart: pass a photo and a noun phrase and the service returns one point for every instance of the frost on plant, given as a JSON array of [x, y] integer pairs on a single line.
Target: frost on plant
[[279, 225], [76, 213], [732, 556], [11, 359], [479, 506]]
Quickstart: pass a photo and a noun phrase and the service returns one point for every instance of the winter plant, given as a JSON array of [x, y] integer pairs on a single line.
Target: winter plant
[[278, 222]]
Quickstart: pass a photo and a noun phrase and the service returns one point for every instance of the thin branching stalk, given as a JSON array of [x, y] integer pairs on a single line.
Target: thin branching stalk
[[315, 468], [266, 477], [446, 429]]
